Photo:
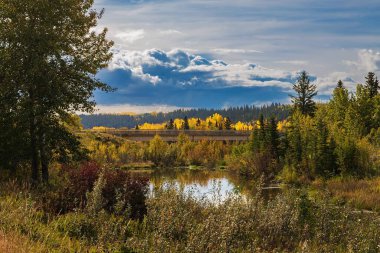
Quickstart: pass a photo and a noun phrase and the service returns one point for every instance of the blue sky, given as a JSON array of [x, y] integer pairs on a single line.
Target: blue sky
[[215, 53]]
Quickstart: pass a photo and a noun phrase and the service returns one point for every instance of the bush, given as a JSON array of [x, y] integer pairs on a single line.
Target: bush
[[122, 188]]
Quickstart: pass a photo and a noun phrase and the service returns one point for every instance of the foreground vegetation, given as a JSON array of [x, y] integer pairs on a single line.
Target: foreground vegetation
[[176, 221]]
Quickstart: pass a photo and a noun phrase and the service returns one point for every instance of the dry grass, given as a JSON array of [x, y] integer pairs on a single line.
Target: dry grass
[[360, 194], [13, 243]]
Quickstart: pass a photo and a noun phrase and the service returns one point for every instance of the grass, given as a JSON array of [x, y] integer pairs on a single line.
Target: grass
[[359, 194]]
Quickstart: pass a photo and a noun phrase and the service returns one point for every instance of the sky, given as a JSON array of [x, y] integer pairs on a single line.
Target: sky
[[171, 54]]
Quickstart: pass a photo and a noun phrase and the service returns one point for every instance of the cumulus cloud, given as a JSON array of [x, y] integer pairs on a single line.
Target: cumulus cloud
[[178, 67], [183, 79], [327, 84], [368, 60]]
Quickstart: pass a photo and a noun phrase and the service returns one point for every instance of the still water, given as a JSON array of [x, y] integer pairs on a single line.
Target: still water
[[206, 183]]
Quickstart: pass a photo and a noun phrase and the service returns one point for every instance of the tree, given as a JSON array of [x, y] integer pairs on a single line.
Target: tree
[[170, 125], [186, 123], [372, 84], [303, 101], [273, 137], [227, 123], [49, 56], [198, 124], [340, 84], [325, 160], [338, 104]]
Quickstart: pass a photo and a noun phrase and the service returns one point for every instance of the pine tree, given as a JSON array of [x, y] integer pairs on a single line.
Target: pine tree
[[340, 84], [273, 137], [170, 125], [186, 123], [198, 124], [372, 84], [338, 104], [227, 123], [325, 160], [303, 101]]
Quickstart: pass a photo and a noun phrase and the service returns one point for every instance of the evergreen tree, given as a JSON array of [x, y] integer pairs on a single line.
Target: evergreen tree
[[170, 125], [306, 91], [338, 104], [273, 137], [340, 84], [325, 160], [186, 123], [259, 135], [198, 124], [227, 123], [137, 127], [372, 84]]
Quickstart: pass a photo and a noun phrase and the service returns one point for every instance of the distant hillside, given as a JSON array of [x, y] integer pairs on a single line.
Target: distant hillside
[[243, 113]]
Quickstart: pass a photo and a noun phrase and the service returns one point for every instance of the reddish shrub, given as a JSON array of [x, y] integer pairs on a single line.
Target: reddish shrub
[[70, 194]]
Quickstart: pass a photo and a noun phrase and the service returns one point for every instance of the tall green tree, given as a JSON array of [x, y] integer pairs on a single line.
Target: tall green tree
[[305, 92], [372, 84], [273, 137], [49, 55], [186, 125], [338, 104]]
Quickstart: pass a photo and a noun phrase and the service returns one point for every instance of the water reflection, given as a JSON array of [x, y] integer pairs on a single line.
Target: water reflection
[[204, 183]]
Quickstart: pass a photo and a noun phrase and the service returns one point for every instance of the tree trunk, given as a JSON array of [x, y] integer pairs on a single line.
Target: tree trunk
[[44, 159], [34, 151]]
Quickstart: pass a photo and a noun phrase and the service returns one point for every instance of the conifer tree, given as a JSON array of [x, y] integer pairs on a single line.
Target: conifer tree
[[340, 84], [170, 125], [273, 137], [303, 101], [227, 123], [372, 84], [186, 123], [338, 104]]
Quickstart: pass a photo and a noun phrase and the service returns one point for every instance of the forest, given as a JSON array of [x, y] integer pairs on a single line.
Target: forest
[[242, 113], [65, 189]]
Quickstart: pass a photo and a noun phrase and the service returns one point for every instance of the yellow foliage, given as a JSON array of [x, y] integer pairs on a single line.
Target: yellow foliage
[[149, 126], [178, 123], [240, 126]]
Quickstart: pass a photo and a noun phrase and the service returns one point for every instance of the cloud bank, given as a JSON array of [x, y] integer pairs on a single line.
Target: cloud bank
[[181, 79]]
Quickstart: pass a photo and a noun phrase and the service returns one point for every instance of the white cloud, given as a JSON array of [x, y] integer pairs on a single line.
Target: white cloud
[[368, 60], [130, 36], [327, 84], [182, 68]]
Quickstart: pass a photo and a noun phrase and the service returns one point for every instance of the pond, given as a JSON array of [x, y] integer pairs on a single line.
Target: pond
[[205, 183]]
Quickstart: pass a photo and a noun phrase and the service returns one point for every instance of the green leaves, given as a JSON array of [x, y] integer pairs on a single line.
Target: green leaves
[[49, 57]]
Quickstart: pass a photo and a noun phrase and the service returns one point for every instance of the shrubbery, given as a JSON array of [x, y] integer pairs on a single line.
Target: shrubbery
[[291, 222], [120, 188]]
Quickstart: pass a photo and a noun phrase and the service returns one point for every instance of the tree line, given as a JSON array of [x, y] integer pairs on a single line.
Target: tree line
[[245, 114]]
